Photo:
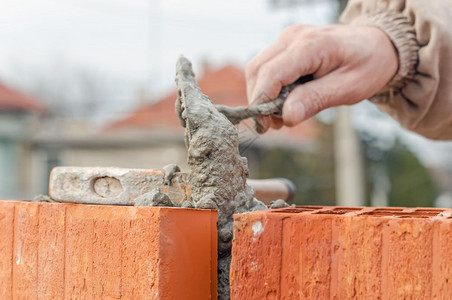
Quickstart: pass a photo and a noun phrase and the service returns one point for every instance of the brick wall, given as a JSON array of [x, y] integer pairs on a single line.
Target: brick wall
[[342, 253], [69, 251]]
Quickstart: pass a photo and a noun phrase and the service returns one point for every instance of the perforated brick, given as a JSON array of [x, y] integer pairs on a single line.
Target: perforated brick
[[343, 253], [68, 251]]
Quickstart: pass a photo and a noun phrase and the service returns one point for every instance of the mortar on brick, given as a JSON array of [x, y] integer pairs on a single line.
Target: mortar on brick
[[218, 172]]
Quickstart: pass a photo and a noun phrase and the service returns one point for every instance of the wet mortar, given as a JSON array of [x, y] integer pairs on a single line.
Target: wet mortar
[[218, 171]]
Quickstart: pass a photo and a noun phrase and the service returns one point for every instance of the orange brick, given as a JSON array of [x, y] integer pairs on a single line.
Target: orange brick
[[251, 263], [78, 273], [69, 251], [357, 253], [6, 248], [408, 266], [25, 251], [442, 254], [51, 251], [342, 253]]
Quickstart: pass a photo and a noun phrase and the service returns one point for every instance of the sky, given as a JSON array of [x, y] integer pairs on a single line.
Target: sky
[[136, 43], [132, 46]]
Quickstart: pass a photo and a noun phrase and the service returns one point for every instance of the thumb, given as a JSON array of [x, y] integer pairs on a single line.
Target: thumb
[[310, 98]]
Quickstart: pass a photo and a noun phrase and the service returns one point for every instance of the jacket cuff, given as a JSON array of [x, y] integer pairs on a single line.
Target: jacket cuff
[[403, 37]]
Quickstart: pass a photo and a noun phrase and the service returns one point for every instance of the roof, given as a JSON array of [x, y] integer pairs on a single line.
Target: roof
[[225, 86], [11, 100]]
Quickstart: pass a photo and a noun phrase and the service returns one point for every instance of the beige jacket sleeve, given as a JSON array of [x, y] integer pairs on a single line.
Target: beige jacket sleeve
[[420, 94]]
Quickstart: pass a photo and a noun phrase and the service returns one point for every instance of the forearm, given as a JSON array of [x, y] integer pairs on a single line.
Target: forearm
[[420, 94]]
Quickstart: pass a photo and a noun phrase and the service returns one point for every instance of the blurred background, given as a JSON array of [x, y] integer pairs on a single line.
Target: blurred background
[[91, 83]]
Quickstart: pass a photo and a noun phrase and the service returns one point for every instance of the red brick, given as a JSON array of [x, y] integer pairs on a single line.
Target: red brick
[[357, 255], [133, 233], [302, 280], [343, 253], [25, 251], [51, 251], [408, 267], [57, 251], [265, 244], [6, 248], [442, 257], [78, 260]]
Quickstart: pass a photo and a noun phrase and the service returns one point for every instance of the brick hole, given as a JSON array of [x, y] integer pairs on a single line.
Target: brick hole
[[331, 212], [289, 210], [298, 209], [309, 207], [338, 211], [397, 214], [387, 209], [346, 209], [431, 212]]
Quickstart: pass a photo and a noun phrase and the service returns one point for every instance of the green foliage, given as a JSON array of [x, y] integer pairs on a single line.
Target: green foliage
[[410, 182], [311, 170]]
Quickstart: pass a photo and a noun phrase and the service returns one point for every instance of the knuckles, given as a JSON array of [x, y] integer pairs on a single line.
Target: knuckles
[[267, 71], [317, 102], [251, 69], [319, 35], [290, 32]]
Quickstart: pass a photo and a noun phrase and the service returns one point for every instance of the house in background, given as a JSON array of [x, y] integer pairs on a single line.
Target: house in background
[[32, 142], [225, 86], [152, 136], [18, 116]]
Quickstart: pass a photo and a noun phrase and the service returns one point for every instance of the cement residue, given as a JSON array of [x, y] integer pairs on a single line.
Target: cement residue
[[273, 107], [217, 179], [218, 172], [154, 198], [170, 170], [43, 198], [280, 203]]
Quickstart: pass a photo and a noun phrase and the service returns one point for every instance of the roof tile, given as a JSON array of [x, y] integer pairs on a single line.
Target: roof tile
[[11, 100], [225, 86]]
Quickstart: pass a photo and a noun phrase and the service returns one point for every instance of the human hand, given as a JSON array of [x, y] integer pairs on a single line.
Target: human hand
[[349, 63]]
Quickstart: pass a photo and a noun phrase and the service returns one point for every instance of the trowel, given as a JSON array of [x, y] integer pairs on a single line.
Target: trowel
[[273, 107]]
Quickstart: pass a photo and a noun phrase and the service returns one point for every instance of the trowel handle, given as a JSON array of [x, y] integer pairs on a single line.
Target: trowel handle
[[268, 190], [278, 103], [285, 91]]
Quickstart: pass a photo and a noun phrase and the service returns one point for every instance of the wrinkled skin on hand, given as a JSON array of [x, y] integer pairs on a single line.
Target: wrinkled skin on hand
[[349, 63]]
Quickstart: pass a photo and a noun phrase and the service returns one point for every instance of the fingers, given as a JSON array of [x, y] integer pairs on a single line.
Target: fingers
[[253, 71], [310, 98], [281, 70], [285, 68], [254, 65], [277, 123], [348, 63], [252, 68], [262, 124]]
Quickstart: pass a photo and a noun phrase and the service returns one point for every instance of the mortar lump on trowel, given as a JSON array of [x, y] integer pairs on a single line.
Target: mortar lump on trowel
[[218, 172]]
